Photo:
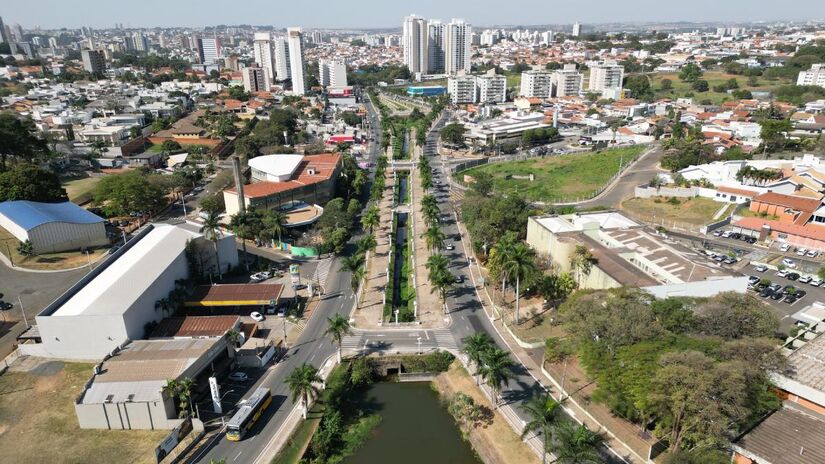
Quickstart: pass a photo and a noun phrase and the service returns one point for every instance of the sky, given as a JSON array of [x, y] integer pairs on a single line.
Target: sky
[[389, 13]]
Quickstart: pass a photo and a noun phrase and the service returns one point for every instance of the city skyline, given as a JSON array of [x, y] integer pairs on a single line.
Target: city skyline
[[54, 14]]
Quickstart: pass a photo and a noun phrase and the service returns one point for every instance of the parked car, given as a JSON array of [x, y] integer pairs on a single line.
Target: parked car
[[812, 253], [816, 282], [717, 233], [799, 294], [776, 296], [805, 279], [260, 276], [782, 273], [753, 280], [784, 248], [761, 268], [789, 262], [801, 251], [238, 376], [790, 299], [792, 276], [766, 292], [256, 316]]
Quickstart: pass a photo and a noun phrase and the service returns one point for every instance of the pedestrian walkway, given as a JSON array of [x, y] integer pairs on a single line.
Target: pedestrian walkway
[[406, 341]]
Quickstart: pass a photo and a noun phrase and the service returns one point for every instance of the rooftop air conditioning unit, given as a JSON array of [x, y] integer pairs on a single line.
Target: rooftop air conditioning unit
[[311, 171]]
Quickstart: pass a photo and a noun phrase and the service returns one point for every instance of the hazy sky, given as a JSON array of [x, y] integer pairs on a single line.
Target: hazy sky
[[388, 13]]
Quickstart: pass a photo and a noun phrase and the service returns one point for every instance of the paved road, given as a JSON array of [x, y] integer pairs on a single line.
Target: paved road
[[311, 347], [639, 174]]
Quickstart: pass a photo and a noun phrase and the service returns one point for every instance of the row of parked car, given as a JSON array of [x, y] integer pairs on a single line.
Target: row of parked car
[[722, 258], [787, 294], [734, 236], [785, 248]]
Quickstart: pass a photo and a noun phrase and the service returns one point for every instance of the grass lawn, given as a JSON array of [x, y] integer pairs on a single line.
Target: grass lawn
[[48, 261], [38, 423], [559, 178], [157, 148], [746, 212], [514, 81], [714, 78], [80, 189], [692, 211], [298, 442]]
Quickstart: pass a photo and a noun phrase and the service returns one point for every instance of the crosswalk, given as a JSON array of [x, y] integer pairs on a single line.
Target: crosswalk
[[406, 341], [319, 277]]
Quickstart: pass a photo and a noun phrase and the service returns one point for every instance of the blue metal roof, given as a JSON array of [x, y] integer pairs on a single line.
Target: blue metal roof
[[30, 214]]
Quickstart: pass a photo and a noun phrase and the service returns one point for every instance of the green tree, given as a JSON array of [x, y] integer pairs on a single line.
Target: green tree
[[367, 243], [453, 134], [690, 72], [496, 370], [520, 264], [434, 238], [482, 183], [475, 347], [773, 133], [439, 275], [26, 181], [337, 327], [700, 85], [273, 225], [18, 139], [211, 230], [576, 444], [213, 204], [301, 382], [124, 193], [247, 226], [732, 315], [465, 410], [371, 218], [667, 84], [25, 248], [582, 262], [544, 413]]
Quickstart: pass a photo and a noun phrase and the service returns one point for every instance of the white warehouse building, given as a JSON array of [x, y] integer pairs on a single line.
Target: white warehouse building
[[52, 227], [114, 303]]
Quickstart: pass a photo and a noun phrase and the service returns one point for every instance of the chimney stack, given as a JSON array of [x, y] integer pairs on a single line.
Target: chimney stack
[[236, 168]]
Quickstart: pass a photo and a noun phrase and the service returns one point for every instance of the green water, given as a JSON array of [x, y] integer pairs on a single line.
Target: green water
[[415, 428]]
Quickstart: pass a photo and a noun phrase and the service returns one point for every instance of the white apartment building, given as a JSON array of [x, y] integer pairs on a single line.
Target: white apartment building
[[332, 73], [209, 50], [281, 59], [414, 43], [254, 80], [536, 83], [492, 87], [296, 59], [606, 76], [457, 53], [814, 76], [264, 56], [567, 81], [93, 61], [547, 38], [436, 47], [462, 89], [489, 37], [577, 29]]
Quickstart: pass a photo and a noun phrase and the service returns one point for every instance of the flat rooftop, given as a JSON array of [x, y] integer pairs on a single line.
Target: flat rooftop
[[576, 222], [277, 165], [140, 370], [123, 282], [194, 326], [235, 295], [792, 435], [807, 365]]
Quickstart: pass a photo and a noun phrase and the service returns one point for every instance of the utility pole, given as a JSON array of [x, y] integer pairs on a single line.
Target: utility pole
[[23, 311]]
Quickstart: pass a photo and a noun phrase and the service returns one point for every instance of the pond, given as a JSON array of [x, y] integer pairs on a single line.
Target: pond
[[415, 428]]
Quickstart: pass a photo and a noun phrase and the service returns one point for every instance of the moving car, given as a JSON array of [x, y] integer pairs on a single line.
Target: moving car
[[449, 246], [256, 316], [238, 376]]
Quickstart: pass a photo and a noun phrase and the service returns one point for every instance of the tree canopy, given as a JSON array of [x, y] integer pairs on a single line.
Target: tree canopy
[[125, 193], [26, 181]]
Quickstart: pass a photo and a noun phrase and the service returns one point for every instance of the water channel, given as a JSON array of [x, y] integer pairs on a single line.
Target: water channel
[[415, 428], [398, 257]]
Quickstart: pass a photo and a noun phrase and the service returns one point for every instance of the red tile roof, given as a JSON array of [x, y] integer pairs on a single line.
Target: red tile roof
[[808, 231], [324, 165], [194, 326], [738, 191], [789, 201]]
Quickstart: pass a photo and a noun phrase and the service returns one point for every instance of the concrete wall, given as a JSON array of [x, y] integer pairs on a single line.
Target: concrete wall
[[62, 236], [704, 288], [680, 192], [82, 337], [153, 415], [13, 229]]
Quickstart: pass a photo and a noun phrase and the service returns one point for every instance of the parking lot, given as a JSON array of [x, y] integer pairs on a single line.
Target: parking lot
[[804, 292]]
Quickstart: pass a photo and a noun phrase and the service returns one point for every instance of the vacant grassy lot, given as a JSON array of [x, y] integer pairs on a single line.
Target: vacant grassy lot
[[80, 189], [38, 423], [714, 78], [692, 211], [559, 178], [49, 261]]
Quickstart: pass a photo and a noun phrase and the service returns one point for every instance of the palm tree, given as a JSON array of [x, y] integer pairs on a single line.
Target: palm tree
[[301, 382], [233, 337], [273, 225], [430, 214], [367, 243], [544, 413], [358, 182], [338, 327], [211, 229], [496, 371], [353, 265], [576, 444], [582, 262], [520, 264], [475, 346], [246, 225], [434, 238], [371, 218], [499, 255], [439, 275]]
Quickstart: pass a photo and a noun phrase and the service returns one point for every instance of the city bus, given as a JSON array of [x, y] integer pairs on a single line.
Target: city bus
[[248, 414]]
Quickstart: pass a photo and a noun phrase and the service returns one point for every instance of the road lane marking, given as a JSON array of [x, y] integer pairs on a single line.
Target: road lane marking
[[239, 455]]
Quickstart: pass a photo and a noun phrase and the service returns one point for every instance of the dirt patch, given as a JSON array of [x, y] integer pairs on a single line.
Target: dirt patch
[[495, 442]]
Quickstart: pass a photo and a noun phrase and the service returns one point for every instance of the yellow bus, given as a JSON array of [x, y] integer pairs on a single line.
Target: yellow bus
[[248, 414]]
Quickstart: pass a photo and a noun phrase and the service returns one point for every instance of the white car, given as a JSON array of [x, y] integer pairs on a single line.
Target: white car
[[812, 253], [785, 247], [260, 276], [238, 376], [782, 273], [449, 246], [789, 263], [816, 282], [801, 251], [761, 268], [256, 316], [805, 279]]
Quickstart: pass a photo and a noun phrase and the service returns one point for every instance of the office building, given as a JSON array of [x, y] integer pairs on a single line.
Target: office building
[[295, 39], [264, 55], [23, 48], [606, 76], [17, 32], [209, 50], [489, 38], [254, 80], [414, 43], [546, 38], [3, 37], [93, 61], [436, 47], [140, 42], [462, 89], [332, 73], [281, 59], [577, 29], [492, 87], [814, 76], [536, 83], [457, 53], [567, 81]]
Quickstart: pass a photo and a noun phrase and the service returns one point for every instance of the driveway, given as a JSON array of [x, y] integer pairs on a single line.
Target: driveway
[[624, 188]]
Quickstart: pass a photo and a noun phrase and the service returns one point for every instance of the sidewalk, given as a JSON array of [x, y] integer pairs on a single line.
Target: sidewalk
[[621, 436]]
